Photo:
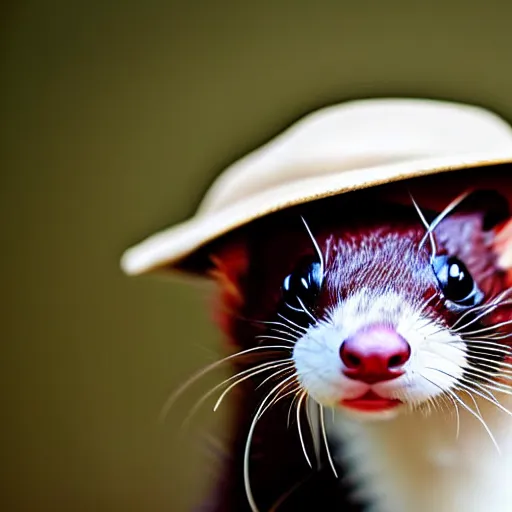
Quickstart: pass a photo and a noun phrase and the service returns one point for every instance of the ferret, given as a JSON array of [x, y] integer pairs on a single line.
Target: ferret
[[372, 367]]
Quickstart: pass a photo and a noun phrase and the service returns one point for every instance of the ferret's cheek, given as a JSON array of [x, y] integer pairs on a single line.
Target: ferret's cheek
[[436, 368], [319, 367], [434, 348]]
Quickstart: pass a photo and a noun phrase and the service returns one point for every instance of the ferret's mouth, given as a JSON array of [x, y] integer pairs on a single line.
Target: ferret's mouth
[[370, 402]]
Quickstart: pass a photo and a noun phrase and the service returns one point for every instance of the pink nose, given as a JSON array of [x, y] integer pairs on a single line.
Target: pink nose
[[375, 354]]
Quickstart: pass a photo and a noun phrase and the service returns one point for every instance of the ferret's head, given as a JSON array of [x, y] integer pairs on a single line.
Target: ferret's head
[[384, 308]]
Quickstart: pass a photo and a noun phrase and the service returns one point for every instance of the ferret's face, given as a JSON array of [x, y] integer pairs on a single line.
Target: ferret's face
[[387, 320], [387, 324], [382, 319]]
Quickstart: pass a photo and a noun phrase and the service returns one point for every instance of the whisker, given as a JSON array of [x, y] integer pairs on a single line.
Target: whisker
[[250, 376], [317, 248], [444, 214], [485, 338], [479, 418], [291, 329], [485, 379], [500, 348], [291, 323], [490, 351], [493, 375], [494, 363], [467, 408], [284, 370], [299, 428], [287, 333], [471, 311], [270, 337], [498, 336], [293, 308], [474, 401], [313, 407], [477, 346], [306, 310], [490, 328], [290, 335], [457, 416], [278, 397], [247, 479], [490, 399], [290, 409], [174, 396], [488, 308], [197, 405], [326, 442], [427, 226], [495, 387], [281, 324], [443, 401]]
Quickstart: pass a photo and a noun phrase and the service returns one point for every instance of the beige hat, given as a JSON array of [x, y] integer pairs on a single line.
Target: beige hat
[[346, 147]]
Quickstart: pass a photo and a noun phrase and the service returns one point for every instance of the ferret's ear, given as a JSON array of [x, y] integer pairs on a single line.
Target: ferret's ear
[[497, 219], [496, 210], [471, 229], [503, 246]]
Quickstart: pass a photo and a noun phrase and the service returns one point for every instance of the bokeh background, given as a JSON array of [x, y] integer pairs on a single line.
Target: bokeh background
[[115, 118]]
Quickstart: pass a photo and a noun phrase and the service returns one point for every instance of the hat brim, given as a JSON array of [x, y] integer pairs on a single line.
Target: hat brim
[[165, 250]]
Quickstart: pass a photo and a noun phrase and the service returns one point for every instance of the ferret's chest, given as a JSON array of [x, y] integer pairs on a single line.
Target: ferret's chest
[[416, 463]]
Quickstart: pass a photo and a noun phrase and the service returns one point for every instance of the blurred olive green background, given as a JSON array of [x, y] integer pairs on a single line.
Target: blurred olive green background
[[115, 117]]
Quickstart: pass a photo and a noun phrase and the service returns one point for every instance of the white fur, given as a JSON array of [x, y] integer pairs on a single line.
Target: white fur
[[401, 460], [414, 463], [319, 366]]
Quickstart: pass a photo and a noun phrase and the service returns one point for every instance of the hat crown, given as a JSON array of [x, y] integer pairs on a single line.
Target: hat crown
[[360, 134]]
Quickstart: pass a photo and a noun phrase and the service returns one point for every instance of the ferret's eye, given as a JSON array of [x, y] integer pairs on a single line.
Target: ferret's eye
[[303, 284], [456, 282]]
